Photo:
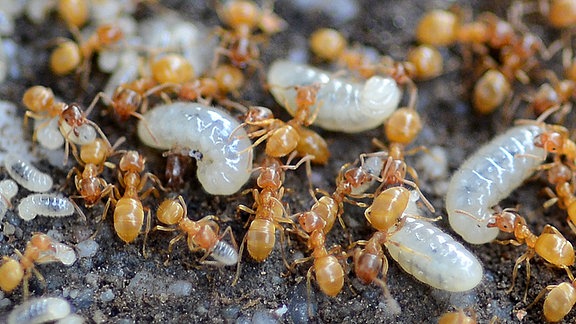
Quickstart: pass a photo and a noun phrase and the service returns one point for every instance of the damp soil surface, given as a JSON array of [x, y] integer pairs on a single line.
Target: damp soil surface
[[116, 284]]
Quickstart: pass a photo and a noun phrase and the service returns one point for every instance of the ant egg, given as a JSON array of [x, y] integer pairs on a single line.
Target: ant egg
[[8, 189], [26, 174], [489, 176], [224, 165], [431, 255], [50, 205], [40, 310], [343, 105]]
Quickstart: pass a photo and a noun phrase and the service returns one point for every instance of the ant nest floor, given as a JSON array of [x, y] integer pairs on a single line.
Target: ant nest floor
[[112, 282]]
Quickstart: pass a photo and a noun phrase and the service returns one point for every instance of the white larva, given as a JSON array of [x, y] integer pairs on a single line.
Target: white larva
[[226, 161], [26, 174], [372, 165], [224, 254], [46, 204], [86, 133], [8, 189], [48, 134], [39, 310], [431, 255], [61, 252], [487, 177], [344, 105]]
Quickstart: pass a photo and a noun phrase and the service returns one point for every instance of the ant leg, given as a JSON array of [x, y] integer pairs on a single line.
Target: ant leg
[[238, 267]]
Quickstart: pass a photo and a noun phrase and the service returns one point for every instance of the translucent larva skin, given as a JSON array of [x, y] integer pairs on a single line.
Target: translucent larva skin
[[86, 133], [49, 205], [26, 174], [8, 189], [489, 176], [345, 106], [39, 310], [433, 256], [222, 170], [224, 254]]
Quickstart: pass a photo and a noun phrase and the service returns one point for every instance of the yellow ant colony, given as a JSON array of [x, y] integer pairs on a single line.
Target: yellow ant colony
[[270, 189]]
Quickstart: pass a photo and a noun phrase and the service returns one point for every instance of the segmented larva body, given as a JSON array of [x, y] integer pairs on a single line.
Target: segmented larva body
[[39, 310], [224, 254], [345, 106], [46, 204], [433, 256], [8, 190], [487, 177], [226, 160], [26, 174]]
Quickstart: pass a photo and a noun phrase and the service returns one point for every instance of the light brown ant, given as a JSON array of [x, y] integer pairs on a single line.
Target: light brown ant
[[239, 43], [73, 123], [559, 302], [69, 56], [550, 244], [128, 211], [283, 138], [40, 249], [90, 186], [269, 212], [202, 234]]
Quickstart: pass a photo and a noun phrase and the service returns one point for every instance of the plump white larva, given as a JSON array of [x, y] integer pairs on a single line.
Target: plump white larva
[[222, 169], [487, 177], [345, 106], [46, 204], [86, 133], [433, 256], [8, 189], [26, 174], [40, 310], [48, 134]]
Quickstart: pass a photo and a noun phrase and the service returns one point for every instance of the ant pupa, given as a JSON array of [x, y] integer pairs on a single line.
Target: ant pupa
[[226, 161]]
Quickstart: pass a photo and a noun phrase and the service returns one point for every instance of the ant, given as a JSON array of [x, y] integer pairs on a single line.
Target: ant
[[202, 234], [550, 244], [69, 55], [239, 43], [283, 138], [269, 212], [74, 126], [559, 302], [93, 157], [40, 249], [128, 211]]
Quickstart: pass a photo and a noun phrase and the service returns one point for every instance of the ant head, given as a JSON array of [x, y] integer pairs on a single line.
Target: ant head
[[41, 241], [73, 115], [109, 34], [132, 161], [504, 220], [258, 113], [552, 140]]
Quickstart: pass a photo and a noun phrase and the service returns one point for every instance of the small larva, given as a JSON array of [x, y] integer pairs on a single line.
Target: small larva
[[26, 174], [45, 204]]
